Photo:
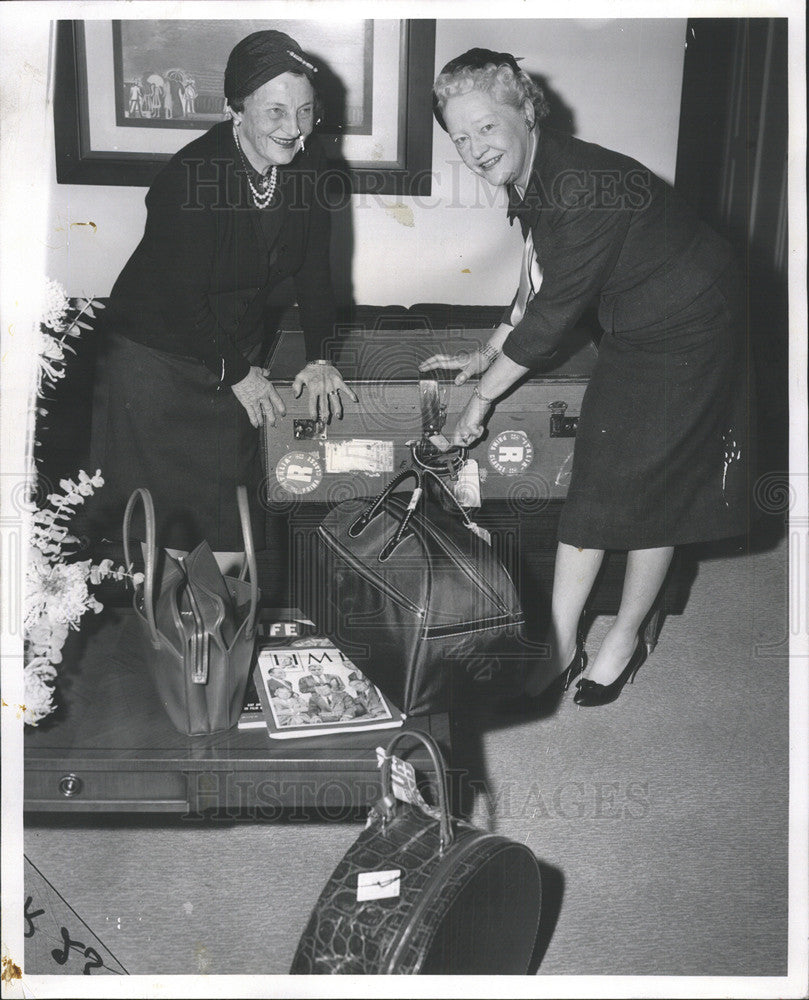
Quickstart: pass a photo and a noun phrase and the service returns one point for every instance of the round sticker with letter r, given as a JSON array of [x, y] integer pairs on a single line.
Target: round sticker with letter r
[[510, 453], [299, 472]]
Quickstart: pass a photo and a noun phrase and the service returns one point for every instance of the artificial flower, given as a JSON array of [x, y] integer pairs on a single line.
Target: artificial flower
[[57, 586]]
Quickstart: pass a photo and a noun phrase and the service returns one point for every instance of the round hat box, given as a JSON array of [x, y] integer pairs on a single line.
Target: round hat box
[[418, 894]]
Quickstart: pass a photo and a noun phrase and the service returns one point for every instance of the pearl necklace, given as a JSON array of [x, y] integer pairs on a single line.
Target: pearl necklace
[[263, 197]]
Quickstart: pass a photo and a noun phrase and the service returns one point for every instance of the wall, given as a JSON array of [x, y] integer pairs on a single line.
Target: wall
[[619, 80], [25, 140]]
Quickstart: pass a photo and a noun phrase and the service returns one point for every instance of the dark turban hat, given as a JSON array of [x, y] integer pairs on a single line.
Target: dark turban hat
[[261, 57], [473, 59]]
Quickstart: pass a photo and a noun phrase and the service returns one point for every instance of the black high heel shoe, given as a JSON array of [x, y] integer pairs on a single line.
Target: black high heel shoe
[[526, 704], [590, 693], [571, 671]]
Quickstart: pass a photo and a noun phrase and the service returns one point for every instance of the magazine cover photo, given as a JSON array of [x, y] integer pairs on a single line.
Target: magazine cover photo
[[312, 691]]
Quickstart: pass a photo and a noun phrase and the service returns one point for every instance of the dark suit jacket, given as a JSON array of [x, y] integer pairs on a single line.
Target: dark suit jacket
[[198, 281], [605, 226]]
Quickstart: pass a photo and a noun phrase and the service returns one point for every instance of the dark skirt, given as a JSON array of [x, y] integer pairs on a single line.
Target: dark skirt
[[160, 421], [663, 445]]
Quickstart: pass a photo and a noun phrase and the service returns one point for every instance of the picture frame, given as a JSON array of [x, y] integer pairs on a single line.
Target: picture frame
[[188, 91], [95, 145]]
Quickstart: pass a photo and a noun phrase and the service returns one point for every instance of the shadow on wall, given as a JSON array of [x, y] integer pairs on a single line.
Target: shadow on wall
[[337, 193], [338, 198], [562, 118]]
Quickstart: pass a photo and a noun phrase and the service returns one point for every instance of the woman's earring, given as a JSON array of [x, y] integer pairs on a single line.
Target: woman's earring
[[529, 125]]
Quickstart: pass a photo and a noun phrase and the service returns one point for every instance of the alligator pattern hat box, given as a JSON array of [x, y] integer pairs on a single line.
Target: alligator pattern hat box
[[423, 893]]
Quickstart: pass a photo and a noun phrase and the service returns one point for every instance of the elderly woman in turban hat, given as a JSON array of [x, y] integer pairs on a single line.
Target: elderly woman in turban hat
[[180, 389]]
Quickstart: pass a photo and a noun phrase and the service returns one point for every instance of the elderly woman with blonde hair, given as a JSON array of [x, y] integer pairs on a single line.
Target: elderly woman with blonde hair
[[662, 447]]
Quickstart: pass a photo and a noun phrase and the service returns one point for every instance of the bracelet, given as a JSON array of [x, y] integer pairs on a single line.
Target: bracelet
[[481, 397], [489, 351]]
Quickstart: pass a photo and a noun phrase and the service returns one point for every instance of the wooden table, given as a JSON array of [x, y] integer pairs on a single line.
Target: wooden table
[[111, 748]]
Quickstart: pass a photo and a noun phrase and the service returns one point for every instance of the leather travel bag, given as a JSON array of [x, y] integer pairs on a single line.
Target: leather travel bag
[[424, 894], [412, 592], [195, 627]]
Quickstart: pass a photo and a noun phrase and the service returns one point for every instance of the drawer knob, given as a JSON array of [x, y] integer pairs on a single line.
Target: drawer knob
[[70, 785]]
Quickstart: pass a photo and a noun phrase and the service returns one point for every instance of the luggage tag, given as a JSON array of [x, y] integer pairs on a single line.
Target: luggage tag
[[481, 533], [403, 780], [467, 487]]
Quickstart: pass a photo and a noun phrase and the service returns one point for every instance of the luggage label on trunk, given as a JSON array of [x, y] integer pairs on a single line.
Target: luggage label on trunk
[[510, 453], [369, 455], [299, 472]]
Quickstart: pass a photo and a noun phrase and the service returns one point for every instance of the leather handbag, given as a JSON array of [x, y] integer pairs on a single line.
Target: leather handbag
[[196, 627], [424, 894], [413, 593]]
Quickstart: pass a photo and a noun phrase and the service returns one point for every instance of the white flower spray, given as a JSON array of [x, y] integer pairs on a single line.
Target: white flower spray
[[61, 316], [57, 585]]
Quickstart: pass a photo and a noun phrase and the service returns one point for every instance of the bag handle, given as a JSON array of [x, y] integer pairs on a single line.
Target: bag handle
[[250, 558], [142, 494], [440, 462], [437, 479], [372, 508], [404, 525], [398, 535], [446, 835]]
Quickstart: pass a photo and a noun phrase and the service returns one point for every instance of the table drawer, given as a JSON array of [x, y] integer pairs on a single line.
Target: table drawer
[[80, 790], [266, 795]]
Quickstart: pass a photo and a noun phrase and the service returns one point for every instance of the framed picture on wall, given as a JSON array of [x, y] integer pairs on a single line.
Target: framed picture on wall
[[129, 94]]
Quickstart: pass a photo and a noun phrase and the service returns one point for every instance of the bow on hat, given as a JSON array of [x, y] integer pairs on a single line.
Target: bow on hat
[[473, 59], [261, 57]]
